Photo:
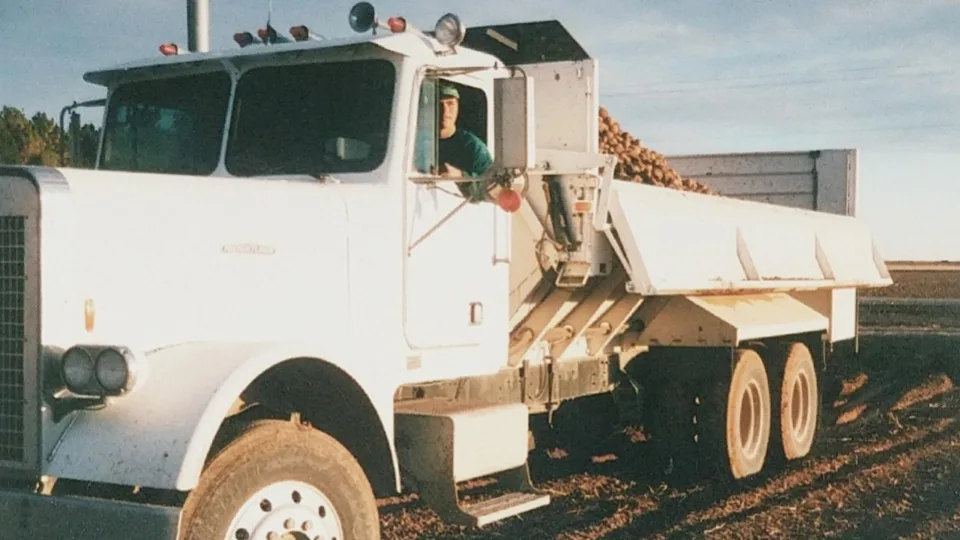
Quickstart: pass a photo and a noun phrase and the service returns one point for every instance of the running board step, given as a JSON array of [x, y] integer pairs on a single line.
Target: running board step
[[505, 506], [441, 443]]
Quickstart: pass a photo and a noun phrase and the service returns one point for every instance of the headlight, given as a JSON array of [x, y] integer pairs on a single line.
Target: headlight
[[113, 371], [449, 30], [77, 369]]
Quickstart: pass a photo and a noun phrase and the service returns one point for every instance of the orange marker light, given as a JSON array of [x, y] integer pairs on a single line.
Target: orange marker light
[[582, 207], [300, 33], [397, 24], [89, 315], [509, 200], [169, 49], [243, 38]]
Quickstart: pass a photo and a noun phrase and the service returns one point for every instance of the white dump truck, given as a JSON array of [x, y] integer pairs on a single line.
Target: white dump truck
[[263, 307]]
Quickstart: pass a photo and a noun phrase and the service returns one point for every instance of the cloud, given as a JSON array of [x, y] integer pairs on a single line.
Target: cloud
[[782, 73]]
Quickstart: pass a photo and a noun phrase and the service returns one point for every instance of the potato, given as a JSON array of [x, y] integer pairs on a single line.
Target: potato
[[639, 164]]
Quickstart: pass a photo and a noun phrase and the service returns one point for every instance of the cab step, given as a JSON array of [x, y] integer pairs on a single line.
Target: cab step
[[441, 443]]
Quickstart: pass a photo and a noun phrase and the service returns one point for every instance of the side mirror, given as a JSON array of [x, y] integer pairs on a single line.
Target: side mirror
[[515, 123]]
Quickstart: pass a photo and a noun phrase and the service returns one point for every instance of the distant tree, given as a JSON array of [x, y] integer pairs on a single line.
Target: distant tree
[[36, 141], [45, 143], [15, 136]]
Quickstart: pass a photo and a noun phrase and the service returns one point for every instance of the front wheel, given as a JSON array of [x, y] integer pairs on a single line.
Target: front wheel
[[285, 481]]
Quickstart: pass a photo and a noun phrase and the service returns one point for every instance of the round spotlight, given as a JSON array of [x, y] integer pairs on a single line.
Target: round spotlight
[[450, 30]]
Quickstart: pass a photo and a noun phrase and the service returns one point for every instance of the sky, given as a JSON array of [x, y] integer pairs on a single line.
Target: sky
[[684, 76]]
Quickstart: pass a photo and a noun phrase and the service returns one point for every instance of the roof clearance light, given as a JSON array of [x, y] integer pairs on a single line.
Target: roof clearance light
[[169, 49], [450, 30], [300, 33], [243, 38], [397, 24], [269, 35]]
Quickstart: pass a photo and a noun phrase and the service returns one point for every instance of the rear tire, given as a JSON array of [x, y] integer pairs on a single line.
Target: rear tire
[[797, 397], [282, 477], [736, 418]]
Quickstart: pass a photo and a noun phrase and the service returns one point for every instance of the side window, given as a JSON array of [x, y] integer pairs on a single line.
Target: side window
[[435, 150]]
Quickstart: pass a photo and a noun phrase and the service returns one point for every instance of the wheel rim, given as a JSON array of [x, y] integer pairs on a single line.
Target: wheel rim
[[751, 405], [286, 511], [800, 405]]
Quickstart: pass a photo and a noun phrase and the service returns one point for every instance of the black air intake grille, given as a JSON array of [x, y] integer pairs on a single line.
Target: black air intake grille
[[12, 337]]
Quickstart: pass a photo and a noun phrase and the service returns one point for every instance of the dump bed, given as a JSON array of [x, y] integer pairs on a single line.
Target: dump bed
[[676, 242], [822, 180], [588, 249]]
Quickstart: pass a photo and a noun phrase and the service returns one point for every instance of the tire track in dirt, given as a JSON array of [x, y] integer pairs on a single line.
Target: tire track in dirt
[[850, 489]]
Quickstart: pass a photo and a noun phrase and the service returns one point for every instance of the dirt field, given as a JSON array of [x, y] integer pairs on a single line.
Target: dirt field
[[888, 466], [920, 280]]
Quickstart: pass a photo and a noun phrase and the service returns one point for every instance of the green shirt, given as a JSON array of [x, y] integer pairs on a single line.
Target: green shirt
[[465, 151]]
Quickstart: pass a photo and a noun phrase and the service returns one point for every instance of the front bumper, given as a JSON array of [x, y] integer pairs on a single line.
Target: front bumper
[[26, 515]]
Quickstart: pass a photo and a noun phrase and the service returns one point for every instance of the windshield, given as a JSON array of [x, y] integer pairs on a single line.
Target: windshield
[[170, 126], [311, 119]]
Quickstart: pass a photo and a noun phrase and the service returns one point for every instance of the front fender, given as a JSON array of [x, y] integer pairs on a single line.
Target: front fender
[[159, 435]]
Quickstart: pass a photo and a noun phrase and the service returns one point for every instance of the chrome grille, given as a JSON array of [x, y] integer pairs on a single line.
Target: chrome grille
[[12, 337]]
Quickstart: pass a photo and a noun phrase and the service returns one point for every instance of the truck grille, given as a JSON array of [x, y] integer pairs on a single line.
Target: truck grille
[[12, 337]]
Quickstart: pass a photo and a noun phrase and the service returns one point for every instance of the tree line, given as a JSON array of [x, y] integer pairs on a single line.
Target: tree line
[[38, 140]]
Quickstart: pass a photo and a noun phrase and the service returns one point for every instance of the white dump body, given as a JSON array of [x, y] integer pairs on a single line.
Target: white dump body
[[779, 252], [686, 243]]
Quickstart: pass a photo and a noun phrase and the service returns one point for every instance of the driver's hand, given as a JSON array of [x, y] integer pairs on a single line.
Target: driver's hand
[[450, 170]]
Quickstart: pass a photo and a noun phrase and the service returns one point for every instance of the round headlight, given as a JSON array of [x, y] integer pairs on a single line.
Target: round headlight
[[78, 369], [113, 370], [450, 30]]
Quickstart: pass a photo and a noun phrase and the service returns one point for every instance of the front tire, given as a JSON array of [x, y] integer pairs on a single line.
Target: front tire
[[282, 477]]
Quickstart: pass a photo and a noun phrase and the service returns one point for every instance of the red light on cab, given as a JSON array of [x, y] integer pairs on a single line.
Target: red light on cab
[[300, 33], [397, 24], [169, 49], [243, 38]]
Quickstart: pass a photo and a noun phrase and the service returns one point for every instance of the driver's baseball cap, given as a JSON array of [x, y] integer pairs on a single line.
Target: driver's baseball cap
[[448, 91]]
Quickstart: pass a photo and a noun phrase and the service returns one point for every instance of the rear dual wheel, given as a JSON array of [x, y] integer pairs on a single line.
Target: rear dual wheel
[[798, 396], [765, 409], [736, 417]]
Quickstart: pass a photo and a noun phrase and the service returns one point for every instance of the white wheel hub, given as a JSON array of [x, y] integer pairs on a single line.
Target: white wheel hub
[[749, 429], [286, 511], [800, 405]]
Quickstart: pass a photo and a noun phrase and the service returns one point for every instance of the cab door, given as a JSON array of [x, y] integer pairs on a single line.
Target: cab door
[[456, 267]]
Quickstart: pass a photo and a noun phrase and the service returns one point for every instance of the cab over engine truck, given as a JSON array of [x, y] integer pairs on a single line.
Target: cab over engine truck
[[262, 308]]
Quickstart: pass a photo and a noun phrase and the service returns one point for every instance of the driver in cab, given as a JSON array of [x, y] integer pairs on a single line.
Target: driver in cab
[[462, 154]]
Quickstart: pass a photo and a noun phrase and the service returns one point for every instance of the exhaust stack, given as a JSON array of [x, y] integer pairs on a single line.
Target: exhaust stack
[[198, 25]]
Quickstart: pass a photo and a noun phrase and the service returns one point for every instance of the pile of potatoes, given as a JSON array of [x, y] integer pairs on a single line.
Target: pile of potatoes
[[640, 164]]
